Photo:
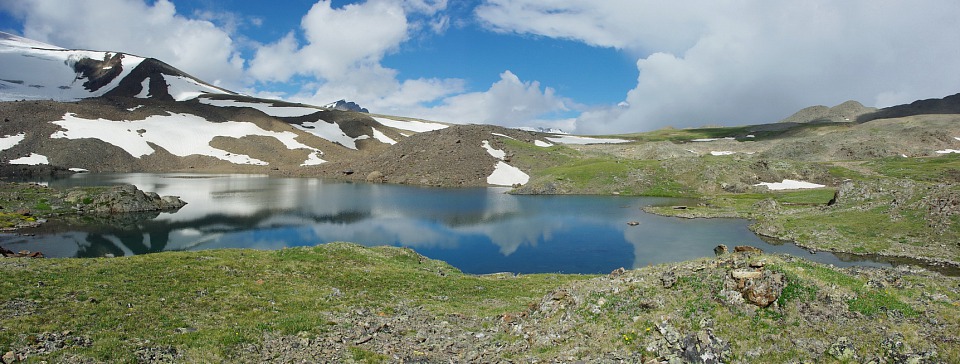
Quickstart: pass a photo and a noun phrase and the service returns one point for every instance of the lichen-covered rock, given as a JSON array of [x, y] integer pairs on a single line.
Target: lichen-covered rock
[[759, 287], [843, 349], [699, 347]]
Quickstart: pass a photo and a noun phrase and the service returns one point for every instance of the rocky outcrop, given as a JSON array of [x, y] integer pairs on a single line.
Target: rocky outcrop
[[126, 198], [699, 347]]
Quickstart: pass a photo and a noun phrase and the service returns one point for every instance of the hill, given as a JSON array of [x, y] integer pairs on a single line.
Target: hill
[[110, 111]]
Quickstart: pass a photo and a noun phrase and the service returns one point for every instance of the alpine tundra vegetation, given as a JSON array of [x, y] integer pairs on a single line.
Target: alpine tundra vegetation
[[858, 181]]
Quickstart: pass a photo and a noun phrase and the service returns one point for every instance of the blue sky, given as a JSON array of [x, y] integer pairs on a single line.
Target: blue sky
[[585, 66]]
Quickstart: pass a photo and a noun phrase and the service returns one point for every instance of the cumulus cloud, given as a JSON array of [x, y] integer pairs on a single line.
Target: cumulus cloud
[[196, 46], [508, 102], [379, 89], [709, 62], [336, 40]]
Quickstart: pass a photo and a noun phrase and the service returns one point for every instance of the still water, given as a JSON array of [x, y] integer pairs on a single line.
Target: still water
[[478, 230]]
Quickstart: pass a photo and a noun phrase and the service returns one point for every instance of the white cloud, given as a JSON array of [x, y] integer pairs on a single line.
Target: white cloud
[[336, 41], [196, 46], [709, 62], [509, 102], [335, 54]]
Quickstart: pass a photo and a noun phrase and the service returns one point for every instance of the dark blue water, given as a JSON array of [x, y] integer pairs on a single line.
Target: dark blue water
[[478, 230]]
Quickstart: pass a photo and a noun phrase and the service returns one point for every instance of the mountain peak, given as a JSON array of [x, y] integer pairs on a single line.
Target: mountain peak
[[39, 71], [344, 105]]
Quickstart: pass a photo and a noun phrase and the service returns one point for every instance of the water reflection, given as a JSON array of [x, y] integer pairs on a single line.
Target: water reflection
[[476, 230]]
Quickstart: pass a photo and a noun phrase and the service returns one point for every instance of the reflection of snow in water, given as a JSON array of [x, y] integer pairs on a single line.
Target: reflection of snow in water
[[474, 226]]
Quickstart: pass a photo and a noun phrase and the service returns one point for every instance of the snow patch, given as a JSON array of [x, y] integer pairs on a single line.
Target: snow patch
[[724, 152], [275, 111], [570, 139], [135, 108], [496, 153], [11, 40], [947, 151], [10, 141], [712, 139], [179, 134], [183, 89], [313, 159], [48, 74], [789, 184], [542, 144], [383, 138], [329, 131], [507, 175], [414, 126], [503, 135], [144, 89], [79, 170], [32, 160]]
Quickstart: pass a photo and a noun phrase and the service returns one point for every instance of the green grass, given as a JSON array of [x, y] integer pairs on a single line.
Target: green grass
[[233, 296], [671, 134], [944, 168], [604, 176], [872, 303]]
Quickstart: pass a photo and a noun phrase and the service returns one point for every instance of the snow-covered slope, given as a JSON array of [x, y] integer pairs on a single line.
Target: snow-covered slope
[[107, 111], [33, 70]]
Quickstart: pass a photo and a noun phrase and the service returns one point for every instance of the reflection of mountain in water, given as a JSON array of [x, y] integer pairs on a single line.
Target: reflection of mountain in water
[[142, 233], [476, 230]]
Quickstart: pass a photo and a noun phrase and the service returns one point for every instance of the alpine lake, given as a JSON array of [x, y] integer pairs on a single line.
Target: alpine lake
[[477, 230]]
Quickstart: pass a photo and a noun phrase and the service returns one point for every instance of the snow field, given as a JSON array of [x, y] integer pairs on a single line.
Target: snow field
[[507, 175], [496, 153], [414, 126], [503, 173], [275, 111], [183, 89], [9, 141], [789, 184], [179, 134], [570, 139], [49, 74], [712, 139], [331, 132], [32, 160], [383, 138]]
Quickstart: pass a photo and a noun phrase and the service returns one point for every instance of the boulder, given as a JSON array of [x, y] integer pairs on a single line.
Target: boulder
[[721, 250], [761, 289]]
